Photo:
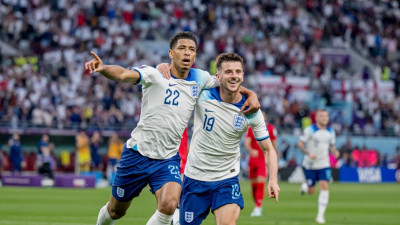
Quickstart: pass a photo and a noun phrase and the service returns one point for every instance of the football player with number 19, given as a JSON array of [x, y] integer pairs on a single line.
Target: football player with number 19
[[211, 173]]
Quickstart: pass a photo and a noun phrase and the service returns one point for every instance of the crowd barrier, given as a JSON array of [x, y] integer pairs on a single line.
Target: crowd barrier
[[347, 174], [367, 174], [60, 180]]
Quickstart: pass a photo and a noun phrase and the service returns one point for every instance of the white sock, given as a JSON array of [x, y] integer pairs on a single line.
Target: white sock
[[159, 218], [304, 187], [104, 217], [323, 200], [257, 209], [175, 217]]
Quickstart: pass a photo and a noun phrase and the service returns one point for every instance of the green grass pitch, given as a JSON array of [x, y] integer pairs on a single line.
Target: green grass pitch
[[350, 204]]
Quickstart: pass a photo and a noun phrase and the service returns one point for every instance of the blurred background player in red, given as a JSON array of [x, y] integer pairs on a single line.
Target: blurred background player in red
[[183, 152], [257, 165], [183, 149]]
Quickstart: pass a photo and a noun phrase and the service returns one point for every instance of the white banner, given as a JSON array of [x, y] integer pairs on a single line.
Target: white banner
[[297, 86]]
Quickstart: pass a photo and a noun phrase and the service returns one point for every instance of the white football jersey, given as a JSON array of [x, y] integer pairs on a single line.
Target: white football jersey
[[167, 106], [317, 142], [218, 129]]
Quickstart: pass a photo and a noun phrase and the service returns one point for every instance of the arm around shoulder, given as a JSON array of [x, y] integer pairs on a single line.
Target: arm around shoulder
[[251, 102]]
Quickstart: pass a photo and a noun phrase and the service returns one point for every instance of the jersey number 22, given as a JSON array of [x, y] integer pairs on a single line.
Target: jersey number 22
[[172, 97]]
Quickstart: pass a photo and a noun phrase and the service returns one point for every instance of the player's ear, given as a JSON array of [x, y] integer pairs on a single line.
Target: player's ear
[[170, 54]]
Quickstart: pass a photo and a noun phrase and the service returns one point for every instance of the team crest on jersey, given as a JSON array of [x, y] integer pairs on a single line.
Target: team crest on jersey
[[120, 192], [188, 217], [238, 121], [195, 90]]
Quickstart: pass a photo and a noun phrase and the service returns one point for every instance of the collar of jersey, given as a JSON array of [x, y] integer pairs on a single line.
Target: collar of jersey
[[315, 127], [190, 77], [215, 94]]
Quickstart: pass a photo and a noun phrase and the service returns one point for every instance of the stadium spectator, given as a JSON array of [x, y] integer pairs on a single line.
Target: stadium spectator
[[346, 147], [397, 157], [115, 146], [44, 142], [46, 164], [15, 153], [1, 161], [95, 142], [285, 41], [257, 165], [346, 159], [83, 151]]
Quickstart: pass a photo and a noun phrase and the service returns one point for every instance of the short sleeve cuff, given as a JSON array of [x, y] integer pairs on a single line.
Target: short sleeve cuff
[[140, 74], [262, 138]]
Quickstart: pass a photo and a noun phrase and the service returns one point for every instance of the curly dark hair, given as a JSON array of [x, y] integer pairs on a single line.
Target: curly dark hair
[[181, 35]]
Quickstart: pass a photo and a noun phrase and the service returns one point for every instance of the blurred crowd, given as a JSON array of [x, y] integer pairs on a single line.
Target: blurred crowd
[[46, 84], [86, 156], [362, 156]]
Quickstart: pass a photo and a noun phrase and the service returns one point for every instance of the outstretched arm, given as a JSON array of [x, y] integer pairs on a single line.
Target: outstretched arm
[[112, 72], [273, 187], [252, 101]]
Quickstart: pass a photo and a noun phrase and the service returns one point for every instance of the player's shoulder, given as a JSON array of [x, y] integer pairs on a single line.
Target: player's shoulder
[[330, 130], [213, 94], [311, 128], [145, 68], [209, 94], [198, 75], [199, 72]]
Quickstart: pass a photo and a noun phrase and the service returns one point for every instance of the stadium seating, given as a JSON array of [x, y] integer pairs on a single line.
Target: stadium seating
[[275, 38]]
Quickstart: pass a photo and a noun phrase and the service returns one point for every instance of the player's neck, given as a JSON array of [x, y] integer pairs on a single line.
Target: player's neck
[[230, 97], [321, 127], [179, 73]]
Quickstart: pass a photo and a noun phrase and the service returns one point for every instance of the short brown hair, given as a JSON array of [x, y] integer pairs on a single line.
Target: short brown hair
[[228, 57]]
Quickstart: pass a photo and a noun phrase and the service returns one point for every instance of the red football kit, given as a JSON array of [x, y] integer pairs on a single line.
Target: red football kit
[[183, 149], [257, 166]]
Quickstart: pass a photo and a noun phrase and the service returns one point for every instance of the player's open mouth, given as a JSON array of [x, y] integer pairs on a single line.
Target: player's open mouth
[[233, 81], [186, 61]]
